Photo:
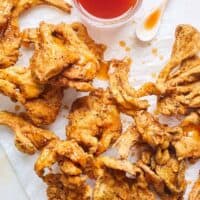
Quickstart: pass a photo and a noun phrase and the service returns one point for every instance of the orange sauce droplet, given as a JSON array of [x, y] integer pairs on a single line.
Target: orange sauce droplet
[[103, 71], [193, 131], [154, 51], [122, 43], [152, 20]]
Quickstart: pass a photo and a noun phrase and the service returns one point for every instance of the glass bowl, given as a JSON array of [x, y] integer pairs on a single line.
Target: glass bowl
[[106, 23]]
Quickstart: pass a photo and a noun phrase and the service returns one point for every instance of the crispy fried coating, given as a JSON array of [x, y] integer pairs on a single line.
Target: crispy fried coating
[[195, 192], [42, 102], [59, 151], [94, 121], [78, 76], [179, 80], [58, 47], [44, 109], [111, 186], [127, 97], [188, 145], [152, 132], [126, 141], [165, 173], [62, 187], [187, 44], [112, 183], [18, 83], [10, 40], [28, 138], [6, 7]]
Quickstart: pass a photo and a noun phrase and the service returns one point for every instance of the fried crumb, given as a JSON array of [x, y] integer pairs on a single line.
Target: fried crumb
[[17, 108], [154, 51], [128, 49], [66, 107], [161, 57], [122, 43], [154, 75]]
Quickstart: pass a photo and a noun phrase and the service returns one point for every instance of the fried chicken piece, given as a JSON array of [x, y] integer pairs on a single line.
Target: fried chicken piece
[[112, 186], [60, 151], [18, 83], [6, 7], [127, 97], [195, 192], [10, 40], [113, 183], [94, 121], [44, 109], [42, 103], [152, 132], [187, 44], [97, 49], [62, 187], [28, 138], [165, 173], [126, 141], [58, 47], [179, 81], [188, 145]]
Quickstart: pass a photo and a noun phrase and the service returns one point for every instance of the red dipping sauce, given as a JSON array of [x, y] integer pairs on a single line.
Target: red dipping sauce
[[107, 9]]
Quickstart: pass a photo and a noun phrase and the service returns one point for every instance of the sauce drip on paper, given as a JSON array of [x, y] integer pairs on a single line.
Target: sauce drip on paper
[[193, 131], [103, 72], [152, 20], [107, 9]]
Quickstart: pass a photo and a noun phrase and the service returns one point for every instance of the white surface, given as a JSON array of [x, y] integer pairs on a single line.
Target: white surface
[[144, 64]]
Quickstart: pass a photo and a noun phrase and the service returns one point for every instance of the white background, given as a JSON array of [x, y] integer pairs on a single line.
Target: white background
[[18, 180]]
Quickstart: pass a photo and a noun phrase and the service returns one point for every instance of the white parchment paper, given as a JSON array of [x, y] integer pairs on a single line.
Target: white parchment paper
[[145, 67]]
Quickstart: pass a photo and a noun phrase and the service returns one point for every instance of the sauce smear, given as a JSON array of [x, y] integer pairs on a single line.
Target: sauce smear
[[107, 9], [193, 131], [103, 71], [152, 20]]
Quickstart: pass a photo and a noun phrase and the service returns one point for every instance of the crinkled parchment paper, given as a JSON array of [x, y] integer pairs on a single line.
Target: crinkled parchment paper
[[145, 67]]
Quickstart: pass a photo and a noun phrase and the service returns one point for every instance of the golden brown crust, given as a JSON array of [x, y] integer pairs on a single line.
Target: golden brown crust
[[28, 138], [94, 121]]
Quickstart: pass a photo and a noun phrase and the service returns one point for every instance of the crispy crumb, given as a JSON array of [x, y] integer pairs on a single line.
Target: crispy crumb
[[154, 51], [128, 49], [66, 107], [17, 108], [161, 57], [122, 43], [154, 75]]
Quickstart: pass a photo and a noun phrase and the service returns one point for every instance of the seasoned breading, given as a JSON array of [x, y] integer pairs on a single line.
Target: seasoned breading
[[44, 109], [94, 121], [58, 47], [42, 102], [62, 187], [187, 45], [28, 138], [188, 145], [195, 192], [152, 132], [6, 7], [57, 152], [126, 141], [10, 40], [18, 83], [127, 98], [112, 183], [179, 80], [165, 173]]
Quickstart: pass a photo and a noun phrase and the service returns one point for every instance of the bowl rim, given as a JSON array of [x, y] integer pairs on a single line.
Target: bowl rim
[[107, 23]]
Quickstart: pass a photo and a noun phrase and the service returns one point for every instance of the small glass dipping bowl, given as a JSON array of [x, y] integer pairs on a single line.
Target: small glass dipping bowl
[[104, 22]]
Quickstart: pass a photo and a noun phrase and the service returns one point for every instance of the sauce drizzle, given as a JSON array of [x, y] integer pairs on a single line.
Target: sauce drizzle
[[152, 19]]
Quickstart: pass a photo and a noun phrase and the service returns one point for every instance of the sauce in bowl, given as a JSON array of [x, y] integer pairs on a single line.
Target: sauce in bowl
[[107, 9]]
